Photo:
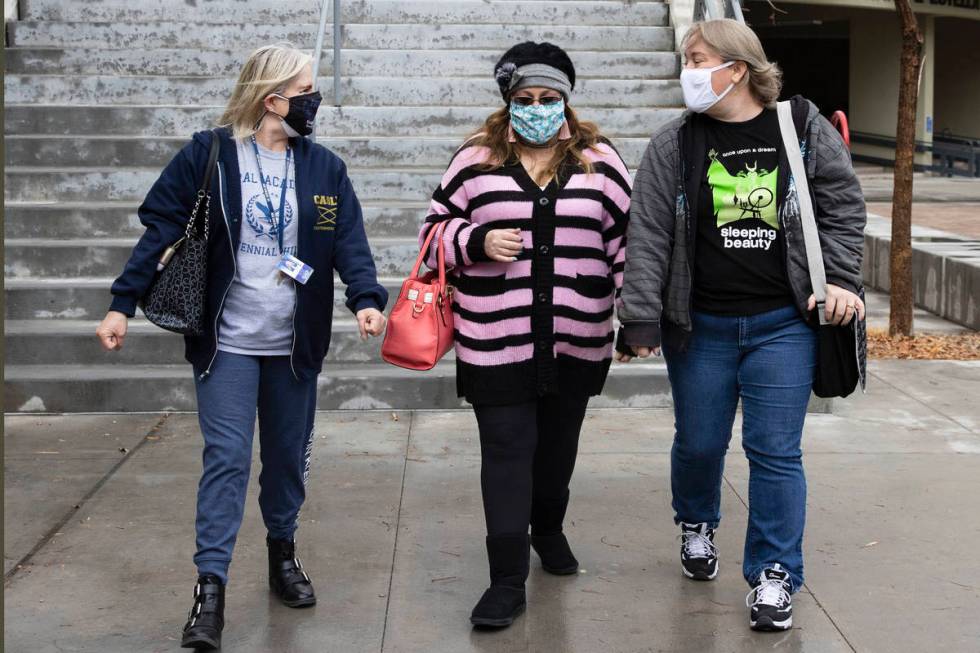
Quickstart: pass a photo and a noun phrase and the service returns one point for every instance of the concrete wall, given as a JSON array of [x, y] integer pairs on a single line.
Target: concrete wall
[[949, 90], [958, 76], [874, 79], [874, 72], [945, 270]]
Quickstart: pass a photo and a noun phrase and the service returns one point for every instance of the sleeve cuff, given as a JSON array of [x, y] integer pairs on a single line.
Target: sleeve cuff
[[476, 245], [641, 334], [621, 345], [124, 305], [842, 283], [366, 302]]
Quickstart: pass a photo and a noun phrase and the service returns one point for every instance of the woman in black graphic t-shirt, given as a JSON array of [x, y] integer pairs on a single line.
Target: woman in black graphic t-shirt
[[715, 259]]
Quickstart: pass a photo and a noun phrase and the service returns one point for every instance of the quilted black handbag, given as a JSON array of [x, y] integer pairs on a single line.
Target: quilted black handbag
[[842, 350], [176, 298]]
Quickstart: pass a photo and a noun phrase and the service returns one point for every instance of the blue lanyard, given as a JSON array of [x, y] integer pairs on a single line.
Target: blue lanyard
[[280, 215]]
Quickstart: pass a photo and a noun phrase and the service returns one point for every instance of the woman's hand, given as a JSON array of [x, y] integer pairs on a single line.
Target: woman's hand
[[841, 305], [641, 352], [370, 321], [112, 331], [503, 245]]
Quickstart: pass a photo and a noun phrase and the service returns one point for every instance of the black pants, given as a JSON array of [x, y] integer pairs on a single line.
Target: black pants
[[528, 452]]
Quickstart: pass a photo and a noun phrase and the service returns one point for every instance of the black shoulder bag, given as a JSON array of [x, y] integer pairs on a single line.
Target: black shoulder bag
[[841, 350], [176, 298]]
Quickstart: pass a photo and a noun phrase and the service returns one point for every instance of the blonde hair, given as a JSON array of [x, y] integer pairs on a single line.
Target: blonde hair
[[267, 70], [735, 41]]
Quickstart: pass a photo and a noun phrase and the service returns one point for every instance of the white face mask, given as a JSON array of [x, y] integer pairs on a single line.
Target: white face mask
[[699, 96]]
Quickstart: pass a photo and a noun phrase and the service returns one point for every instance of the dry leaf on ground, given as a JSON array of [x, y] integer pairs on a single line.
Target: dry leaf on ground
[[965, 346]]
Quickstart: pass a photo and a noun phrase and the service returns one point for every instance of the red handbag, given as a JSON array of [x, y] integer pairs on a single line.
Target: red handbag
[[420, 326]]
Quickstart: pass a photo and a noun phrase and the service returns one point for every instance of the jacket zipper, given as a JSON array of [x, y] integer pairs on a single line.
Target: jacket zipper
[[234, 263], [687, 226]]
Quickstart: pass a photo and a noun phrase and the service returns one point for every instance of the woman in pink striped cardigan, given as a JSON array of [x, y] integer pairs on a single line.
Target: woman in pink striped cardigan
[[537, 204]]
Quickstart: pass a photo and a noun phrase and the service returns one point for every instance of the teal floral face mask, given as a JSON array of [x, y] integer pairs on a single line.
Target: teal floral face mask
[[537, 123]]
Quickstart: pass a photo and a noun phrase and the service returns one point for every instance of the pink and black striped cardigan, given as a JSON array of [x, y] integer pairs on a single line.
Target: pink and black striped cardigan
[[542, 324]]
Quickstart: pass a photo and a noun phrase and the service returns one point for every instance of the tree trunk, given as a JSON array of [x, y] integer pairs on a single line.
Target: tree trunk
[[900, 316]]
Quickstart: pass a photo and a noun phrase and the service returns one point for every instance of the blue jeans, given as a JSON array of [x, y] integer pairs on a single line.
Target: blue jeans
[[768, 361], [227, 402]]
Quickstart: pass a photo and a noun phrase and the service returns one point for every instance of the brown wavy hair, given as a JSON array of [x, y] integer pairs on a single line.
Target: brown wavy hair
[[494, 132]]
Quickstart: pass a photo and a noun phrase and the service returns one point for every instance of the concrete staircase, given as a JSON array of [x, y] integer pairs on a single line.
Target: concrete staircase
[[101, 93]]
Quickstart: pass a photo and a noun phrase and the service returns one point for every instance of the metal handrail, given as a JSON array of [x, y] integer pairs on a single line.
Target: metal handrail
[[318, 51], [711, 9], [336, 52], [735, 7], [948, 154], [839, 120]]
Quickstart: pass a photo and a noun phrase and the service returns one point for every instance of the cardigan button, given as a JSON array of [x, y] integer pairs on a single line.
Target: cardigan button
[[544, 201], [543, 297], [543, 249]]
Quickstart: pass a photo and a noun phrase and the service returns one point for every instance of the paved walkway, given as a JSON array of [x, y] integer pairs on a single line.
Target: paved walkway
[[877, 184], [924, 322], [947, 203], [99, 515], [961, 218]]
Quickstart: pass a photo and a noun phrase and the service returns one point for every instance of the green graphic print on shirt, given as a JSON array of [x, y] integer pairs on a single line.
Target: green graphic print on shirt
[[750, 193]]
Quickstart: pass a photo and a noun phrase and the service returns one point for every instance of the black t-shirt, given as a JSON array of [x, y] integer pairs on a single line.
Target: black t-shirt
[[739, 265]]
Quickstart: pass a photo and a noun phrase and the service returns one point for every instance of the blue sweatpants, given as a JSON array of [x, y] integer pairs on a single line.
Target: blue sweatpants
[[227, 401]]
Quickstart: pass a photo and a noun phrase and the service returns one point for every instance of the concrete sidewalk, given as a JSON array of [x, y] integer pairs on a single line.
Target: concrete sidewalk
[[100, 510]]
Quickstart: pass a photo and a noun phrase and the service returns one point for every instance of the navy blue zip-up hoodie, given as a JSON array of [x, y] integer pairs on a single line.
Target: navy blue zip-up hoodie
[[331, 237]]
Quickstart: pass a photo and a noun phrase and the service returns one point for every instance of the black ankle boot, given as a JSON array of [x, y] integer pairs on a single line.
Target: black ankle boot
[[504, 600], [207, 618], [556, 556], [547, 539], [286, 575]]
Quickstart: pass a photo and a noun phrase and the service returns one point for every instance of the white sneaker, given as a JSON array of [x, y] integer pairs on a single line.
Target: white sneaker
[[770, 601], [699, 557]]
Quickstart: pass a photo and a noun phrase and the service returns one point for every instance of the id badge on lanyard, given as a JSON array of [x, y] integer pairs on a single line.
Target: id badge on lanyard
[[288, 265]]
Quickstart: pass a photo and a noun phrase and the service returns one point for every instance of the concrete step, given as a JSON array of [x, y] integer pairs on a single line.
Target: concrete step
[[104, 257], [370, 63], [427, 36], [113, 388], [445, 12], [359, 121], [378, 152], [52, 342], [88, 298], [365, 91], [92, 184], [67, 220]]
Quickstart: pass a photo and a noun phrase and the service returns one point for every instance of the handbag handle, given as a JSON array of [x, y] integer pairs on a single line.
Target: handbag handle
[[811, 236], [204, 192], [440, 256]]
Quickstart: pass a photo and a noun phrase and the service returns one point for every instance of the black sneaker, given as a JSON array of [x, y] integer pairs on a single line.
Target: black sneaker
[[770, 601], [699, 557]]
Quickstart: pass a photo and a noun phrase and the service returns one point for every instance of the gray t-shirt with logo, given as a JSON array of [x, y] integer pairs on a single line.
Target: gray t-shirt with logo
[[258, 312]]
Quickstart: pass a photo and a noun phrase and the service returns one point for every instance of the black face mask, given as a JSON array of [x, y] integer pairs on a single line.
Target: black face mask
[[302, 112]]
